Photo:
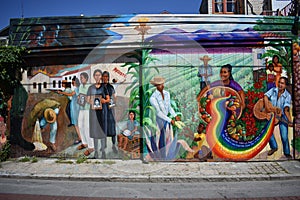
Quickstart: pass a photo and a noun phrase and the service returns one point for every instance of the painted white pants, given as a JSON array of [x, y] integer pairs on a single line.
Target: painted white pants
[[84, 128]]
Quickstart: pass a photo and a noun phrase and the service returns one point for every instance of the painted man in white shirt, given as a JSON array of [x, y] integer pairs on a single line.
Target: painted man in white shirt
[[160, 100]]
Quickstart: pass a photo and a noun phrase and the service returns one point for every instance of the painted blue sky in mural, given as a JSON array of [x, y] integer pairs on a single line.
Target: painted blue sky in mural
[[33, 8]]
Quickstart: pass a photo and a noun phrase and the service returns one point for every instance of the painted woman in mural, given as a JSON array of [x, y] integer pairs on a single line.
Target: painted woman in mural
[[111, 122], [277, 68], [83, 116], [131, 126], [98, 117], [226, 80], [271, 75], [221, 107], [128, 132], [75, 108]]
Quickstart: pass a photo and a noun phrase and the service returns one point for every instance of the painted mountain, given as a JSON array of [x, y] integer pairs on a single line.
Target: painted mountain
[[181, 40]]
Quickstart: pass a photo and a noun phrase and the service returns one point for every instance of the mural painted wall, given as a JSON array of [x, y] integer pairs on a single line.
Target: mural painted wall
[[159, 88]]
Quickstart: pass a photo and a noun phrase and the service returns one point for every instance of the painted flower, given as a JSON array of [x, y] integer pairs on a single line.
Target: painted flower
[[258, 85]]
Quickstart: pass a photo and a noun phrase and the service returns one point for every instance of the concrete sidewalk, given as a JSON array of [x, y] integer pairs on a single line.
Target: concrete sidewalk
[[137, 171]]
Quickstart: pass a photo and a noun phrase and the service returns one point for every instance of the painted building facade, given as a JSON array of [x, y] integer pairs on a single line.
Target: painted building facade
[[214, 69]]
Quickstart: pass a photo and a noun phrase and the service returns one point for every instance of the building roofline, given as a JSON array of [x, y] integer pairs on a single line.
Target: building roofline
[[4, 31]]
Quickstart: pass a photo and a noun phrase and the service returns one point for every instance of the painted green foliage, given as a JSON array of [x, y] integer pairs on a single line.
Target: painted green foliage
[[140, 86], [282, 48], [140, 93]]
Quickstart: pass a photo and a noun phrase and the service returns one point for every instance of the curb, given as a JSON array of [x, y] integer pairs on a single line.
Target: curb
[[152, 179], [136, 171]]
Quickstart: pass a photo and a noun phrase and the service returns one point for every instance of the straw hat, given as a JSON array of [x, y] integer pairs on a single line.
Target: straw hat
[[205, 57], [157, 80], [50, 115]]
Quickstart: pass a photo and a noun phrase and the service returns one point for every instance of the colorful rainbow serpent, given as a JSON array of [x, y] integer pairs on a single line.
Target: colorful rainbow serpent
[[226, 147]]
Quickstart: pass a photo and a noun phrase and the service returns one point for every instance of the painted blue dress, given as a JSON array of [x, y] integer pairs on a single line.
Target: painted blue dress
[[110, 115], [75, 107]]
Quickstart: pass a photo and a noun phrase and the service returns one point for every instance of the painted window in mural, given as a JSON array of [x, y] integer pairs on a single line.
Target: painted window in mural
[[173, 92]]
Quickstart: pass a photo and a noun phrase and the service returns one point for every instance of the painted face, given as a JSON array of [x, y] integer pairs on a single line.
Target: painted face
[[105, 78], [97, 102], [275, 59], [281, 84], [83, 79], [131, 116], [160, 87], [200, 128], [224, 74], [97, 77]]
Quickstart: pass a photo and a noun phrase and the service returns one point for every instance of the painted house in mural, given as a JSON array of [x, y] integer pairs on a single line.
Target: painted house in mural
[[185, 53]]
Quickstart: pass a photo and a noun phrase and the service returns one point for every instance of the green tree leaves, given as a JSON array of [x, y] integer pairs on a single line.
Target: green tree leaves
[[12, 65]]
